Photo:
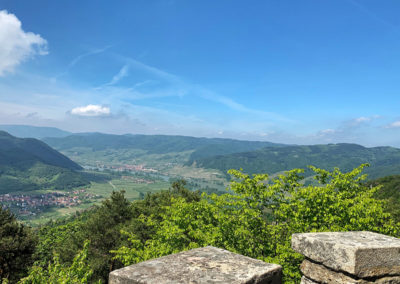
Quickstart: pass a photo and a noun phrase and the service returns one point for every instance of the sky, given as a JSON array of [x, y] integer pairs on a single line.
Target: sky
[[298, 72]]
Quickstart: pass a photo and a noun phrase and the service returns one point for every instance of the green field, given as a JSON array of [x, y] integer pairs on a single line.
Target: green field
[[132, 190]]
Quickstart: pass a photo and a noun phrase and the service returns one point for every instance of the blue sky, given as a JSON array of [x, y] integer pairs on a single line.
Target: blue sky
[[301, 72]]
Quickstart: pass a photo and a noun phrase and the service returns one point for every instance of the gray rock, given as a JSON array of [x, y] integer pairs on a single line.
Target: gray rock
[[305, 280], [322, 274], [362, 254], [197, 266]]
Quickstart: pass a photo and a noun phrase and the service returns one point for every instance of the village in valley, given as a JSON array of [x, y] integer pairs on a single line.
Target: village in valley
[[31, 205]]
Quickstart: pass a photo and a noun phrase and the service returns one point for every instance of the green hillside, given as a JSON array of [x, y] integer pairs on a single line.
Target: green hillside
[[390, 191], [383, 160], [225, 154], [156, 144], [28, 131], [29, 164]]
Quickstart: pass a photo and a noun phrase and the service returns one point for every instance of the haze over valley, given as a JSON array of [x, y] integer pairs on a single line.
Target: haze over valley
[[79, 170]]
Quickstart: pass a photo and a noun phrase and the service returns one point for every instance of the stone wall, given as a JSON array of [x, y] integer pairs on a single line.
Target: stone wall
[[348, 257], [337, 258]]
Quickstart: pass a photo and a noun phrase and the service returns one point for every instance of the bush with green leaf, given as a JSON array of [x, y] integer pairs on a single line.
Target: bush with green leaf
[[17, 244], [260, 216], [78, 273]]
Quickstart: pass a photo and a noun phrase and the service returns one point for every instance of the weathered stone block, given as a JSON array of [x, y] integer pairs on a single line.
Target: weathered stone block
[[362, 254], [321, 274], [317, 274], [203, 265], [305, 280]]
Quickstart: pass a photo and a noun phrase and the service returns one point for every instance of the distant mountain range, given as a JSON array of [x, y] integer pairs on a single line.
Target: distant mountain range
[[383, 160], [251, 156], [28, 131], [29, 164], [225, 154], [157, 144]]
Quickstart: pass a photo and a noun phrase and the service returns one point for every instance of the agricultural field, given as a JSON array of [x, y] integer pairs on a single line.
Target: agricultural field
[[58, 204]]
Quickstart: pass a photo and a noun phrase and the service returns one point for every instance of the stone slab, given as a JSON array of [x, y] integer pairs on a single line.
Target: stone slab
[[362, 254], [321, 274], [305, 280], [198, 266]]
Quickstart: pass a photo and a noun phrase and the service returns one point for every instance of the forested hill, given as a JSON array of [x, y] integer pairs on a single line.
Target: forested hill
[[383, 160], [390, 191], [28, 131], [29, 164], [156, 144], [19, 151]]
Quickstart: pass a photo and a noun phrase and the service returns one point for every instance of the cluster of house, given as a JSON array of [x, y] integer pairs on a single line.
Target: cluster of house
[[137, 180], [125, 167], [24, 204]]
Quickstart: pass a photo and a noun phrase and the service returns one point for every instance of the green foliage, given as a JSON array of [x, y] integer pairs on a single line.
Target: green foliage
[[17, 244], [102, 229], [62, 239], [78, 272], [102, 225], [260, 216], [256, 219], [389, 191]]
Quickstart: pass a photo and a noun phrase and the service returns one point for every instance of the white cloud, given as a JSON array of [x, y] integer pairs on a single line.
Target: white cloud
[[328, 131], [91, 110], [16, 45], [362, 119], [395, 124]]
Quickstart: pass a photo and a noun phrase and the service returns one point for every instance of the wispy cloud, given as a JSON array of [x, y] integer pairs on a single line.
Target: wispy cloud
[[359, 121], [16, 45], [395, 124], [373, 15], [177, 86], [123, 72], [78, 58], [232, 104], [150, 69], [362, 119], [356, 130], [89, 53]]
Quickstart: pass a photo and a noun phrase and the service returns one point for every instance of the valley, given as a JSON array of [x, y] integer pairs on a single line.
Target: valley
[[98, 164]]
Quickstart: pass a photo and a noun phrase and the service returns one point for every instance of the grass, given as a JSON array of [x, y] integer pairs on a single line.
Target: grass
[[55, 213], [132, 189], [103, 190]]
